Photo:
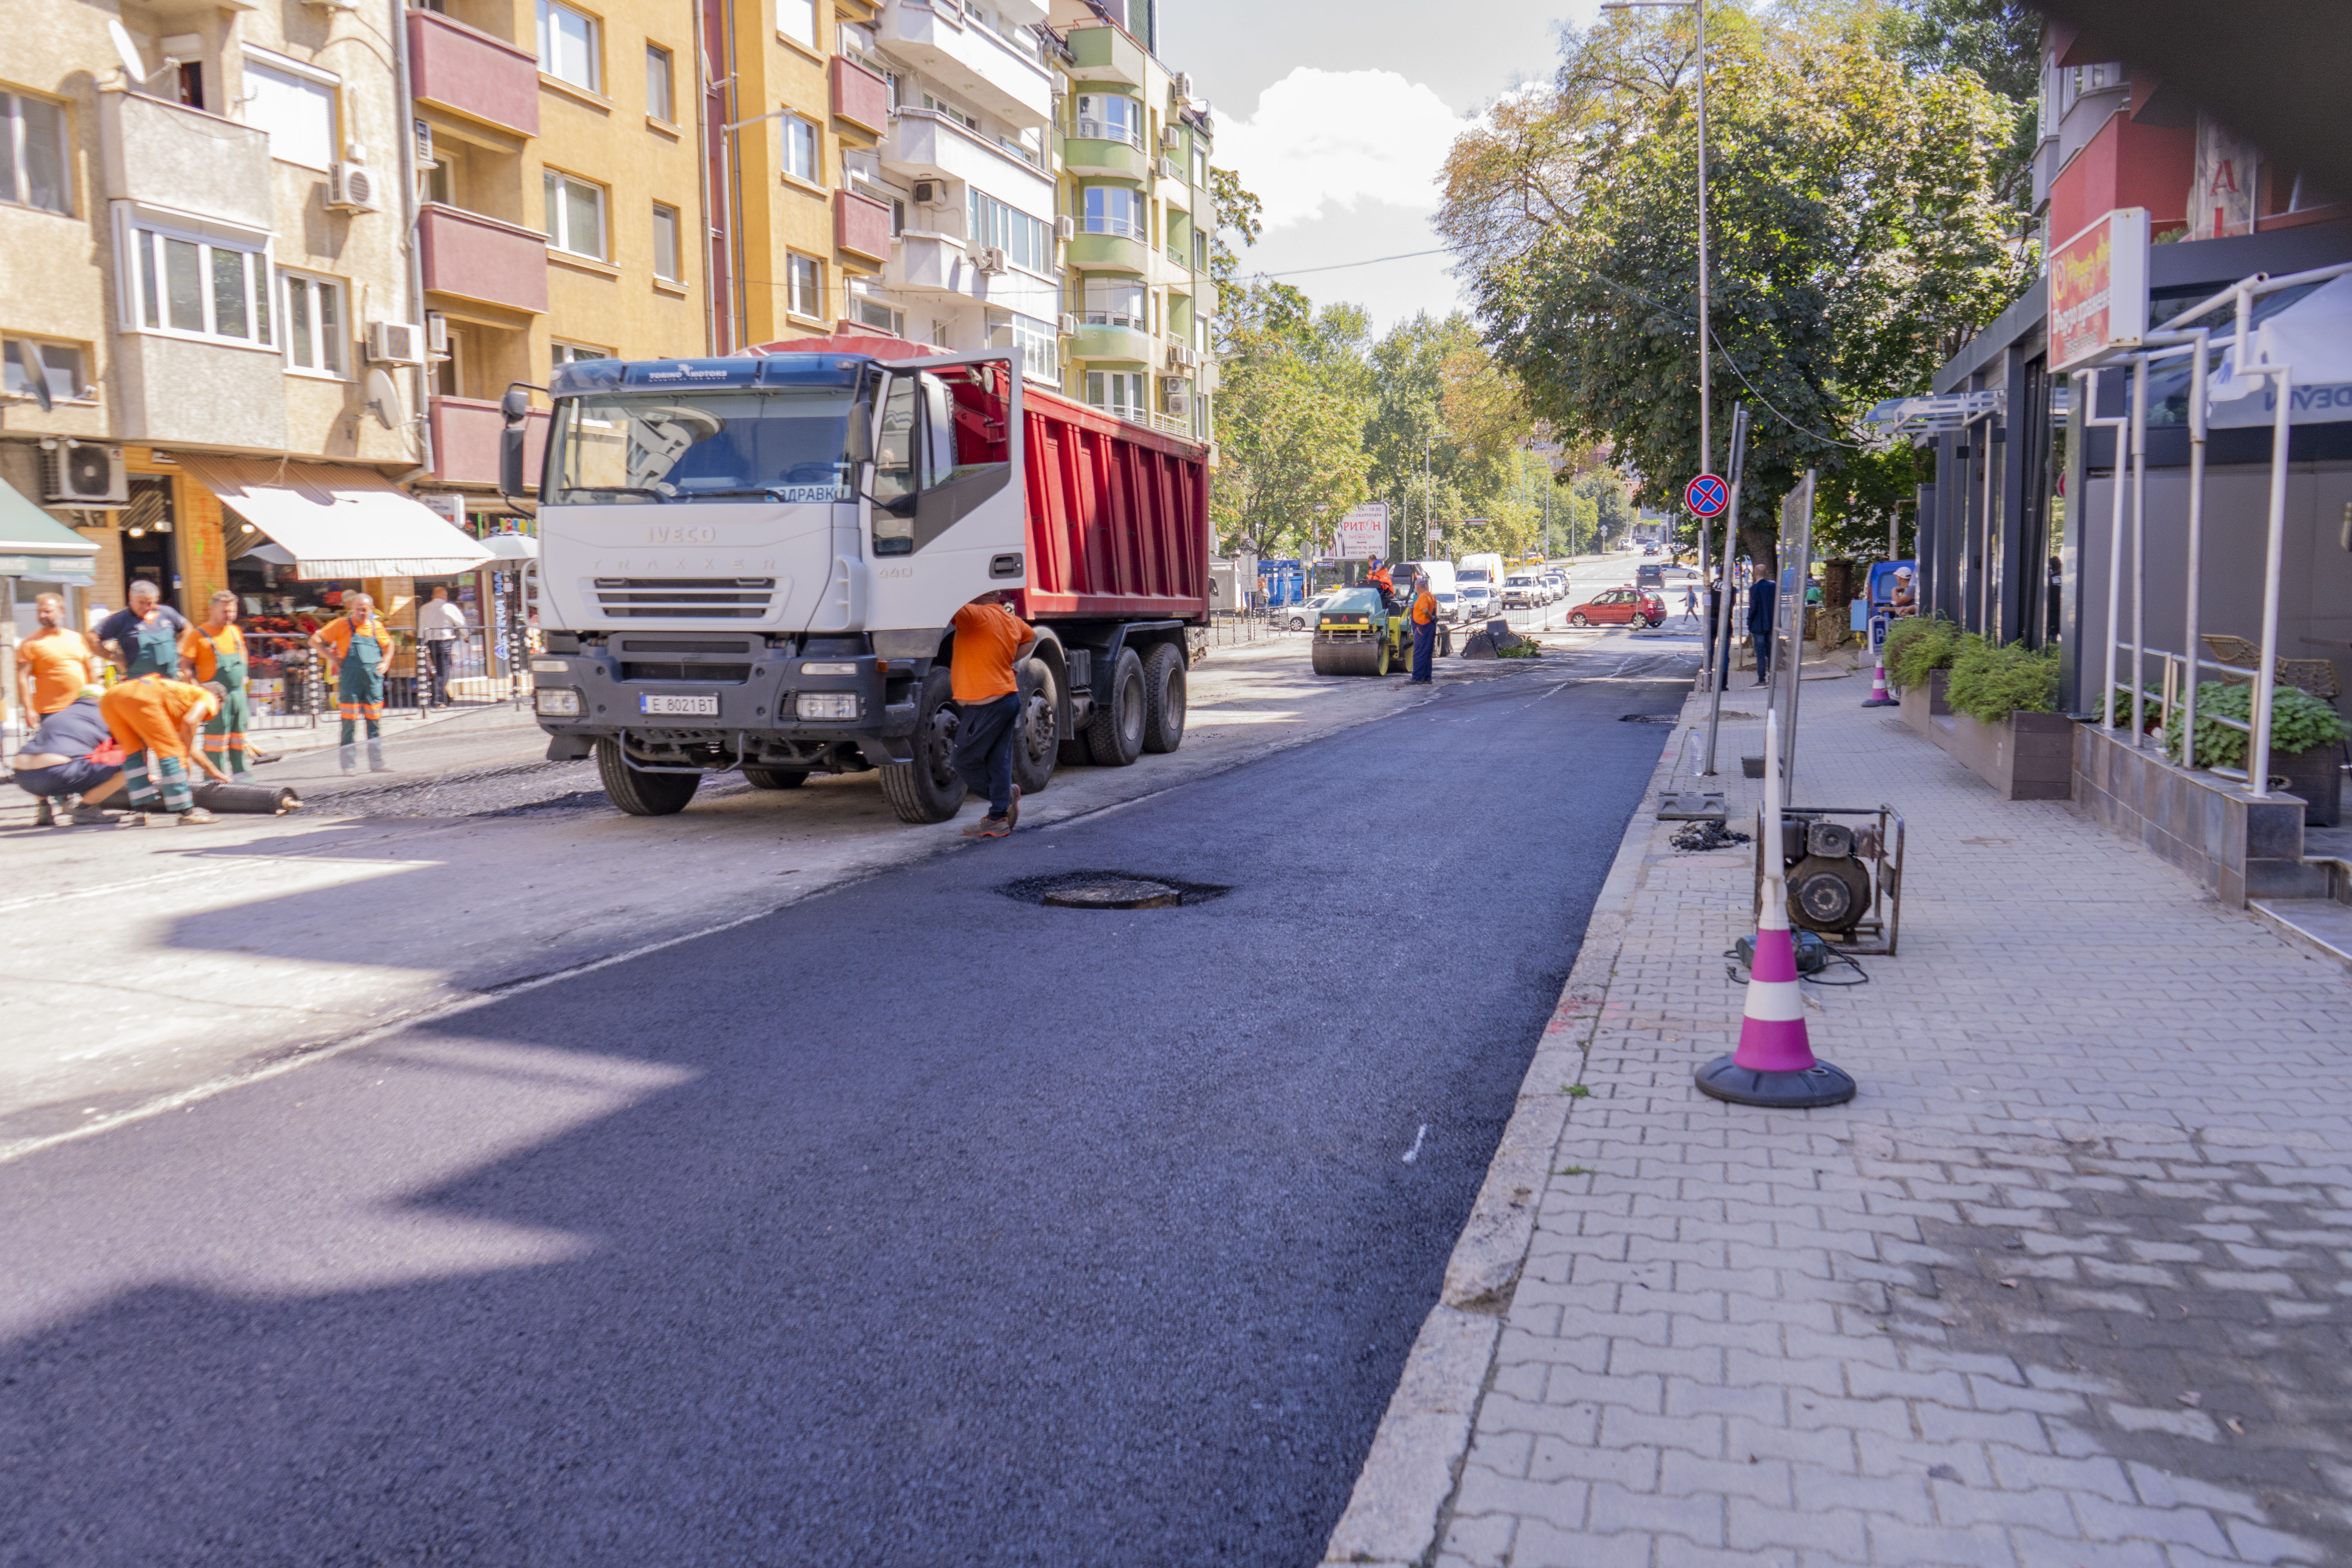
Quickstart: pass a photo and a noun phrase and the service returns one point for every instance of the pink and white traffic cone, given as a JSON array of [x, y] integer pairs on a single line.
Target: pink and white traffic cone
[[1775, 1064], [1878, 697]]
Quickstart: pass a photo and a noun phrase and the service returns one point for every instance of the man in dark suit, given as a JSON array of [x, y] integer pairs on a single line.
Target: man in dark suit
[[1762, 595]]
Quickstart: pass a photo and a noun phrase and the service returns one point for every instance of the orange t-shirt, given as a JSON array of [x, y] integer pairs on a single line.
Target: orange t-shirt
[[987, 637], [1424, 609], [338, 634], [146, 714], [203, 650], [60, 662]]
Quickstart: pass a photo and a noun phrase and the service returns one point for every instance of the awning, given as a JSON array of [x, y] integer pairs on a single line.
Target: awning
[[336, 520], [34, 544], [2312, 333]]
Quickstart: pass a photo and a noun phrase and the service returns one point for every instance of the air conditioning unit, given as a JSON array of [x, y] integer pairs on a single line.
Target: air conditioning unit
[[1182, 358], [1167, 170], [1179, 403], [1171, 139], [1065, 227], [350, 187], [436, 334], [83, 473], [1069, 325], [396, 342], [994, 260], [930, 193], [1183, 85]]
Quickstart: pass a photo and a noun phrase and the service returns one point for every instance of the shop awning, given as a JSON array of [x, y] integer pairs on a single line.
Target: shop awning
[[2311, 333], [337, 520], [34, 544]]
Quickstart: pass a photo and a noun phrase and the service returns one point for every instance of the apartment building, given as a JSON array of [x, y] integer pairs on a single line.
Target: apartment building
[[207, 302], [1134, 152]]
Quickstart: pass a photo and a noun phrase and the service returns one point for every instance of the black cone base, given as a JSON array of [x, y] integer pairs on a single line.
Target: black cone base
[[1881, 702], [1821, 1084]]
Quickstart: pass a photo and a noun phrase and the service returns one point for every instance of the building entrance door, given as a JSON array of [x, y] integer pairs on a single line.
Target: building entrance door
[[147, 527]]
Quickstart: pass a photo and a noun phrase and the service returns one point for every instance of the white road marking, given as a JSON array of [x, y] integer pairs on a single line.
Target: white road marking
[[1415, 1152]]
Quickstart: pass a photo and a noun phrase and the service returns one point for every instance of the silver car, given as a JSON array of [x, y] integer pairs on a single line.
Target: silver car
[[1477, 602], [1301, 617]]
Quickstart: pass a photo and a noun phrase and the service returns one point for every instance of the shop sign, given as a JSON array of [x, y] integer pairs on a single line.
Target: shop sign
[[1364, 533], [2099, 289]]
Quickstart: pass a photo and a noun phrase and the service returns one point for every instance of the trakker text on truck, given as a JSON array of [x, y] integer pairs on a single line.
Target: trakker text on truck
[[754, 561]]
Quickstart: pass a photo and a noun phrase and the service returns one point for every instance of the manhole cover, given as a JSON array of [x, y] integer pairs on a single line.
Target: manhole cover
[[1115, 893]]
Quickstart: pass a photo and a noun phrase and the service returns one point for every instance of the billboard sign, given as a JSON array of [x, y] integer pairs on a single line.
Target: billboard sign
[[2099, 289], [1364, 533]]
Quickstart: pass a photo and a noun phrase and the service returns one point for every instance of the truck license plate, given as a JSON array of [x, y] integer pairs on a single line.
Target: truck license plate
[[689, 707]]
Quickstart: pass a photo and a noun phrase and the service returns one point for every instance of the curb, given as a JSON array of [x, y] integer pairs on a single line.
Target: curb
[[1396, 1515]]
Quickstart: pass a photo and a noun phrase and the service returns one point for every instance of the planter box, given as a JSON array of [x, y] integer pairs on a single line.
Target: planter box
[[2025, 756], [2317, 776], [2238, 847]]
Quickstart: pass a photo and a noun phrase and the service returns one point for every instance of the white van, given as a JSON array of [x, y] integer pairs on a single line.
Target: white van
[[1484, 568], [1439, 573]]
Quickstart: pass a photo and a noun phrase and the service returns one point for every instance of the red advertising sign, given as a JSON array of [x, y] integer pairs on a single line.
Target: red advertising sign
[[2099, 289]]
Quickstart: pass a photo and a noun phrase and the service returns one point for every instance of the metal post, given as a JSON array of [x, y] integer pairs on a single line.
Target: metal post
[[2087, 383], [2139, 545], [1718, 657], [2258, 744], [1705, 384], [2189, 644]]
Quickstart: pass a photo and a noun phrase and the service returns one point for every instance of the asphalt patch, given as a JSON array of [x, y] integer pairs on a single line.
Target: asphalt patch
[[1112, 891]]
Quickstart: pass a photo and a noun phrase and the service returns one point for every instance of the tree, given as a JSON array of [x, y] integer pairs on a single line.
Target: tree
[[1856, 233], [2000, 41], [1291, 409]]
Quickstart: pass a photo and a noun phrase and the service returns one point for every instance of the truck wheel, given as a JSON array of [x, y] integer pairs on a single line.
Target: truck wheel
[[927, 789], [1163, 698], [775, 778], [1115, 735], [641, 794], [1039, 741]]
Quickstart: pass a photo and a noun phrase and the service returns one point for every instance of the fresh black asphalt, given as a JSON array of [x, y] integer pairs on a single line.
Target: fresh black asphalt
[[957, 1230]]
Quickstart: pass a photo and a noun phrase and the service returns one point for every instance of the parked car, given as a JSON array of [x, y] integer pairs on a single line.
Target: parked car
[[1449, 605], [1620, 607], [1478, 601], [1298, 618], [1555, 581], [1521, 592]]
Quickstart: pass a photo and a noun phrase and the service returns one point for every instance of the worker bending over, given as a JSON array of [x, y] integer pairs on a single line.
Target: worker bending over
[[157, 721]]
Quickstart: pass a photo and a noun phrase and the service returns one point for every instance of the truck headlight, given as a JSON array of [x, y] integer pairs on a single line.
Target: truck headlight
[[547, 667], [558, 702], [829, 669], [826, 705]]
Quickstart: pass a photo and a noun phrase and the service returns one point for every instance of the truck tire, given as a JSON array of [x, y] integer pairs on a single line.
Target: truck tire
[[1115, 735], [1163, 698], [641, 794], [927, 789], [1037, 744], [775, 778]]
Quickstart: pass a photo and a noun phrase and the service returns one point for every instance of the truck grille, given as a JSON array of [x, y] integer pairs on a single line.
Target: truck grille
[[728, 674], [685, 598]]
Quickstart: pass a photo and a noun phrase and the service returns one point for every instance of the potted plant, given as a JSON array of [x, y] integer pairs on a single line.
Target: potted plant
[[2307, 741], [2002, 726]]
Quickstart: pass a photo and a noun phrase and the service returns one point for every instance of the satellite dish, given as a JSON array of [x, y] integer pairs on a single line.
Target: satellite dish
[[384, 398], [126, 50]]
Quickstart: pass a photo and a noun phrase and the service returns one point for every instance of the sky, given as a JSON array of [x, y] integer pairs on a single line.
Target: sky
[[1338, 113]]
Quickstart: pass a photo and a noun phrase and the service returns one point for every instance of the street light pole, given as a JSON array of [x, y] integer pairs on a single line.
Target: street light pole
[[1706, 382]]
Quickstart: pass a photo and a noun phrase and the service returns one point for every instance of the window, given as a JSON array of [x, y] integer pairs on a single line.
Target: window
[[1200, 168], [295, 105], [657, 78], [796, 20], [870, 313], [1200, 250], [567, 45], [941, 106], [801, 149], [1111, 302], [1105, 117], [1025, 240], [803, 286], [857, 42], [666, 252], [33, 154], [576, 215], [58, 364], [1118, 392], [1039, 343], [571, 353], [1113, 210], [200, 288], [314, 323]]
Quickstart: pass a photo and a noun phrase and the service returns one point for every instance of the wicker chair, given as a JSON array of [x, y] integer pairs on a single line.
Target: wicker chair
[[2316, 676]]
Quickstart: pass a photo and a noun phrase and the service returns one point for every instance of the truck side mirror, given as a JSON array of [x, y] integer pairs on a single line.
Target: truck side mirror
[[514, 408], [516, 405]]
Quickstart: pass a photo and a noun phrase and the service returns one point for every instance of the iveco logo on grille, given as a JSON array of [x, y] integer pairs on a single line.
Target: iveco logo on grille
[[684, 534]]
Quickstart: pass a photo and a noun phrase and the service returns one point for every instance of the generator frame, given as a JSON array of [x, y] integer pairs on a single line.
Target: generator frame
[[1883, 925]]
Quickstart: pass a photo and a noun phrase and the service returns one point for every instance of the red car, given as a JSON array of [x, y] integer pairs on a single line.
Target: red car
[[1620, 607]]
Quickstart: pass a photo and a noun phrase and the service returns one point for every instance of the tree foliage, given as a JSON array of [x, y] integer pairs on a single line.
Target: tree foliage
[[1857, 233], [1291, 408]]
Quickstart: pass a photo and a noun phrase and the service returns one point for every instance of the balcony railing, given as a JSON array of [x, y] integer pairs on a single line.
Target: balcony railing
[[468, 72], [468, 434], [478, 258], [861, 226], [1109, 131]]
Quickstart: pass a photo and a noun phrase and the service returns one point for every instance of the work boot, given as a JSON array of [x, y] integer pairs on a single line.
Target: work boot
[[1012, 812], [196, 816], [91, 817], [987, 827], [44, 813], [376, 764], [131, 819], [350, 760]]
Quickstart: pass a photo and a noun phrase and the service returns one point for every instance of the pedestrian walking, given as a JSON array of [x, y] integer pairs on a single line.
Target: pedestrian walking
[[1762, 595], [156, 721], [438, 622], [71, 764], [358, 649], [145, 637], [215, 653], [1425, 631], [1690, 601], [983, 677], [55, 663]]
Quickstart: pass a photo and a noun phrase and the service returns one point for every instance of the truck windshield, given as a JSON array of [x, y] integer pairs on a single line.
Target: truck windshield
[[778, 444]]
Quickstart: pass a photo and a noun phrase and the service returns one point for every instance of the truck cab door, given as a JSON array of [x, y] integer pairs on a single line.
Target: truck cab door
[[948, 515]]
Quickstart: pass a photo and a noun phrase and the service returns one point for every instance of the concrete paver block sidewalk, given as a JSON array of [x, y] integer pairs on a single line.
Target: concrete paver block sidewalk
[[2069, 1283]]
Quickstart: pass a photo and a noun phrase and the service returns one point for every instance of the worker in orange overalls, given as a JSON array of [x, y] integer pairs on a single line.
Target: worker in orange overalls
[[1425, 631], [358, 648], [215, 651], [156, 721]]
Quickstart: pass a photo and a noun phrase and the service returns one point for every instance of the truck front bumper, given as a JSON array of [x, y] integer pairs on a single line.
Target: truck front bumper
[[773, 710]]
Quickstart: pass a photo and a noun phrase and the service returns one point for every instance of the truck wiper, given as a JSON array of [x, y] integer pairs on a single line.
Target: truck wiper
[[767, 490]]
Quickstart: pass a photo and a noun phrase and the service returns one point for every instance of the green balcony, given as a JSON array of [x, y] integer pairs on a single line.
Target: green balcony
[[1104, 53], [1122, 345], [1108, 253], [1091, 155]]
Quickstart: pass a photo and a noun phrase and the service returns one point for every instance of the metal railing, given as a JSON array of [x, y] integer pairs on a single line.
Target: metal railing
[[291, 689]]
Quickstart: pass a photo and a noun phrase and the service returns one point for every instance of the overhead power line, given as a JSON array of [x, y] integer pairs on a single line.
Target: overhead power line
[[1342, 266]]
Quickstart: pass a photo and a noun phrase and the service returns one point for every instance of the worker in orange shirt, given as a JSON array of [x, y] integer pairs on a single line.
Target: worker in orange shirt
[[985, 678], [358, 649], [156, 721], [214, 652], [1425, 631], [54, 664]]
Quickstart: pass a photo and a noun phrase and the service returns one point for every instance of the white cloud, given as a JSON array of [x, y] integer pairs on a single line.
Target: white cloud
[[1323, 139]]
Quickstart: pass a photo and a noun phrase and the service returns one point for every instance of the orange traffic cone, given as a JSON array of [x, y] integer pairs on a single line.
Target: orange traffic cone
[[1775, 1064], [1878, 697]]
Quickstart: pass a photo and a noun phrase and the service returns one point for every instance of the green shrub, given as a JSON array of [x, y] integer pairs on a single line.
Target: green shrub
[[2299, 723], [1988, 683], [1918, 645], [2152, 709]]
